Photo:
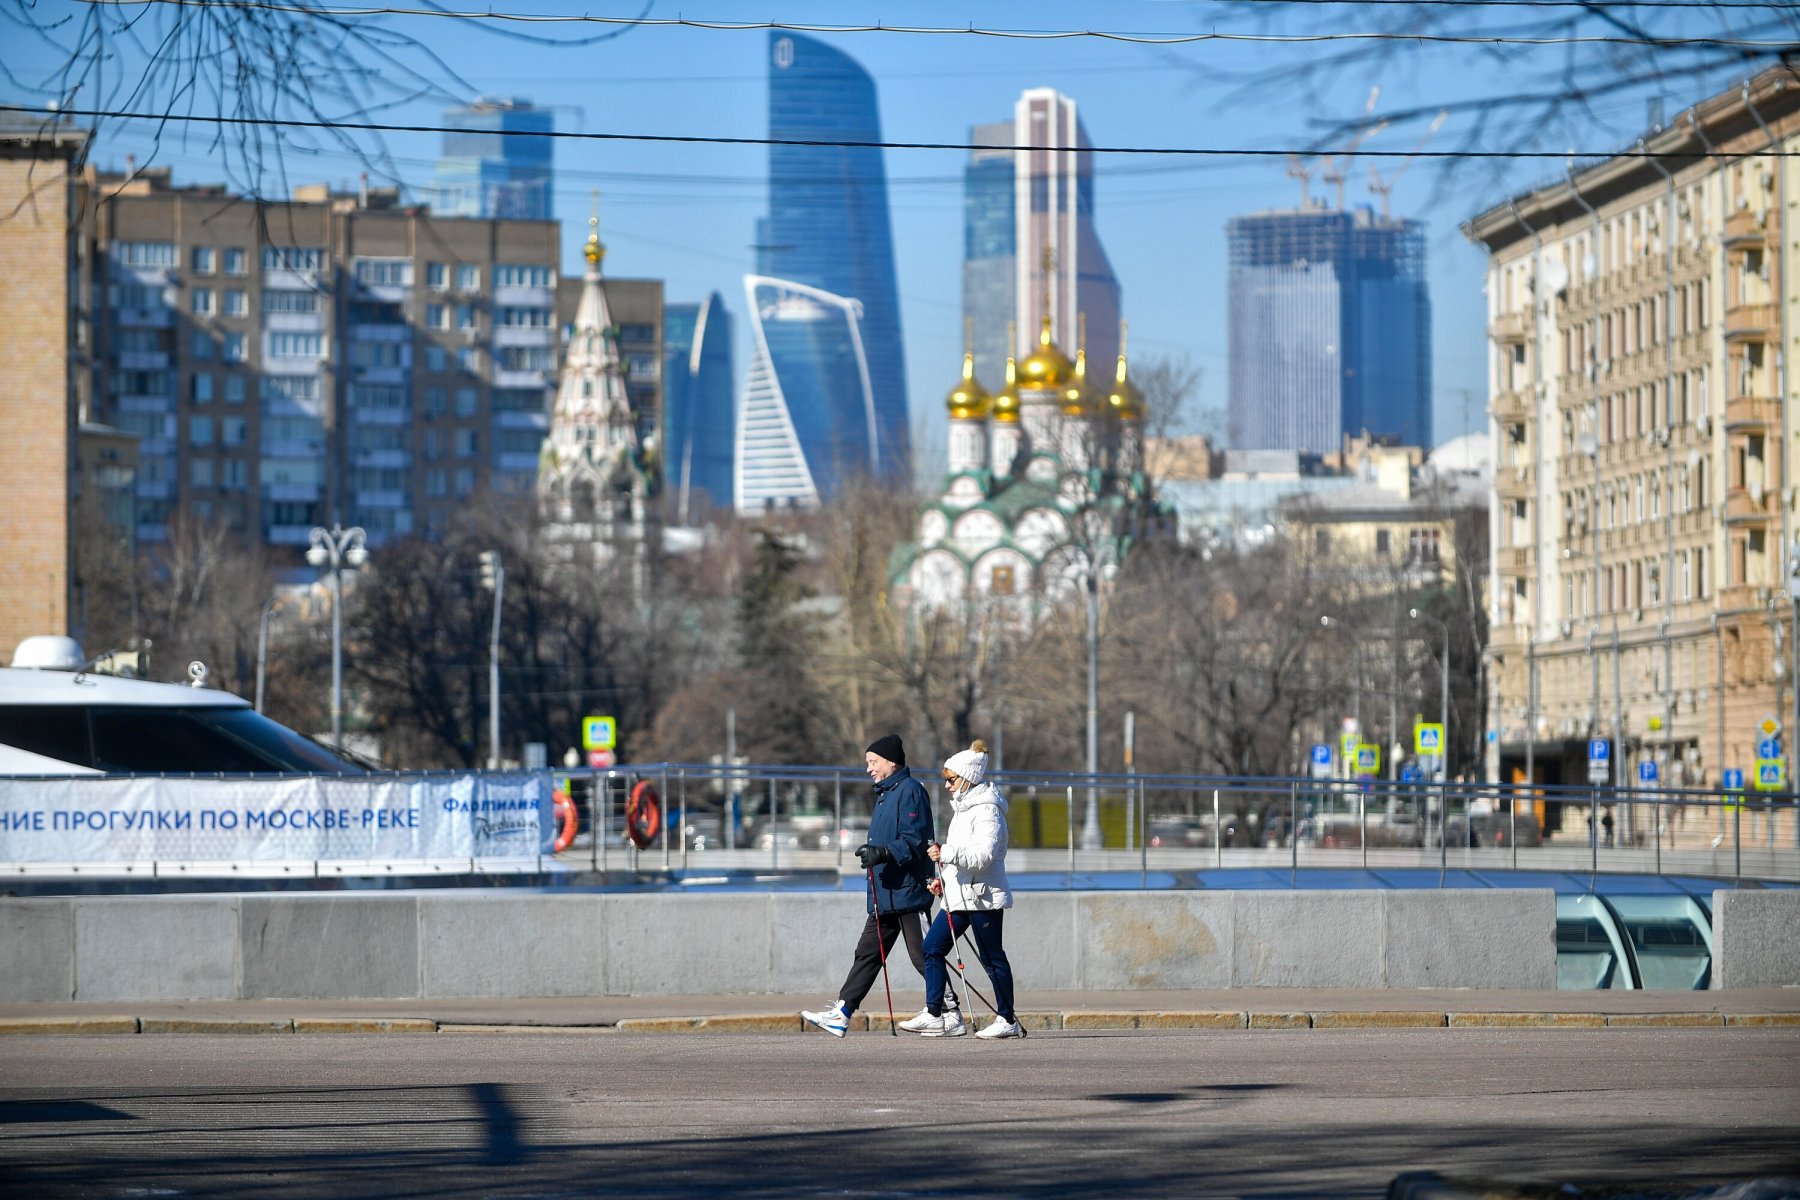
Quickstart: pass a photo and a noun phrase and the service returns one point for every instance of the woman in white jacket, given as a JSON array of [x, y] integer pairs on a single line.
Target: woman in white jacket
[[972, 881]]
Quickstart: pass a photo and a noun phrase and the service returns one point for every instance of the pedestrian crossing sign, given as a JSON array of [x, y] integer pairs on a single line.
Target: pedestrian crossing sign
[[1428, 738], [1368, 758], [599, 733], [1770, 775]]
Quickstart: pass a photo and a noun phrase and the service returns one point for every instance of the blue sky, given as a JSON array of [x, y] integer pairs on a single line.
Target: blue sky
[[686, 213]]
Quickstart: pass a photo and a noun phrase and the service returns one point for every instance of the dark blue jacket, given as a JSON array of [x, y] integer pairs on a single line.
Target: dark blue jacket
[[901, 822]]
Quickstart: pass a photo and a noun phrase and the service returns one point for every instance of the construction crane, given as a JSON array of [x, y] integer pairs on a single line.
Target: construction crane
[[1385, 187], [1335, 164]]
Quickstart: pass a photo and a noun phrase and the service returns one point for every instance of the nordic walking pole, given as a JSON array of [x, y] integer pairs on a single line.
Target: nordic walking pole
[[881, 944], [950, 918]]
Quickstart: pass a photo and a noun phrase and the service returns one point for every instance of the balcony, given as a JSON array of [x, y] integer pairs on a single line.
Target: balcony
[[1508, 406], [1516, 560], [1508, 327], [1512, 483], [1752, 412], [1745, 227], [1750, 322], [1744, 507]]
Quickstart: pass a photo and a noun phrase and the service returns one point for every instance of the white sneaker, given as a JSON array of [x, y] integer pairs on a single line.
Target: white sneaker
[[1002, 1028], [948, 1025], [832, 1020], [919, 1023]]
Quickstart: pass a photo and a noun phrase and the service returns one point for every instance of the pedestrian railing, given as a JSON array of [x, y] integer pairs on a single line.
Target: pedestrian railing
[[790, 820]]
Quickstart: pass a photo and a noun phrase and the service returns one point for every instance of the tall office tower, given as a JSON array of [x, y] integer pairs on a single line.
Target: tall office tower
[[333, 358], [1330, 328], [699, 413], [809, 420], [827, 227], [1024, 208], [488, 170]]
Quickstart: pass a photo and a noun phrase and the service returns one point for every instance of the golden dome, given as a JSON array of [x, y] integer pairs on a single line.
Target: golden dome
[[968, 400], [1006, 403], [1076, 401], [1046, 367], [594, 251], [1126, 402]]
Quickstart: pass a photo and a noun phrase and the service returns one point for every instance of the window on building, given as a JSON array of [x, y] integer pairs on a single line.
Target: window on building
[[468, 401], [436, 483], [465, 483], [437, 316], [468, 360], [1422, 545], [202, 260], [234, 349], [300, 389], [516, 275], [468, 443], [200, 302], [236, 389], [431, 445], [377, 354], [434, 403], [200, 431], [237, 475], [1382, 539], [384, 272], [435, 357], [237, 302], [280, 300], [465, 316], [201, 345], [232, 431], [1322, 541], [468, 278], [144, 254], [296, 345], [236, 261], [202, 389], [525, 358], [524, 318], [436, 276], [292, 258]]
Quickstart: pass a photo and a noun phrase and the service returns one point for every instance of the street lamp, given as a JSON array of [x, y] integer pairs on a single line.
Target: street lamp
[[337, 547], [1443, 688], [493, 578]]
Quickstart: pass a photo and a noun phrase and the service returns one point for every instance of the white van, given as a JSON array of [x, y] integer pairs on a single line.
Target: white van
[[56, 719]]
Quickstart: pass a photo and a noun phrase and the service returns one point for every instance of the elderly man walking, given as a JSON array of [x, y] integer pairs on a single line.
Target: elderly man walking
[[896, 869]]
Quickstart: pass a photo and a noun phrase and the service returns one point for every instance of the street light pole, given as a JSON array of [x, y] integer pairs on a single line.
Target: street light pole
[[493, 578], [1090, 822], [337, 547]]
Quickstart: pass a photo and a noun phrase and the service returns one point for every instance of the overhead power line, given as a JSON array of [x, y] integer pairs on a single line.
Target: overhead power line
[[716, 140], [1037, 35]]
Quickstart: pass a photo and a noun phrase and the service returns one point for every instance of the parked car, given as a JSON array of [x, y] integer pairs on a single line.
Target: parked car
[[57, 719]]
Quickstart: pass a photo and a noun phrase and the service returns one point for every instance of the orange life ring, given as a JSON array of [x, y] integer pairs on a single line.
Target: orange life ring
[[643, 815], [567, 820]]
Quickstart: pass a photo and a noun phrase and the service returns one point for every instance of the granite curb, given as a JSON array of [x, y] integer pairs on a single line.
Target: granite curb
[[1071, 1020]]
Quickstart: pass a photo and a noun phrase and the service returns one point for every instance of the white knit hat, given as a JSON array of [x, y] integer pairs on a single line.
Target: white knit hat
[[971, 764]]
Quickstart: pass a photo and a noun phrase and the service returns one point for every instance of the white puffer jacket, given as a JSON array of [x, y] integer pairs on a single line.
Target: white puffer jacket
[[974, 852]]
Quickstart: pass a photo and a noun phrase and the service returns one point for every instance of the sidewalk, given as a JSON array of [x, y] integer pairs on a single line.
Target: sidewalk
[[1237, 1008]]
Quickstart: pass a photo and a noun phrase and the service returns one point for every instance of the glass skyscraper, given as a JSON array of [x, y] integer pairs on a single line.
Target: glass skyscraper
[[1330, 330], [809, 418], [827, 226], [485, 172], [699, 426], [1018, 204]]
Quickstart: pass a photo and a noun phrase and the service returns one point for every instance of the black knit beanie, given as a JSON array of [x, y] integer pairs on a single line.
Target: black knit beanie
[[888, 746]]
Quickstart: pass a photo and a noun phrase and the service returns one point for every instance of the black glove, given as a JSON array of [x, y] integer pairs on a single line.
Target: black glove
[[869, 854]]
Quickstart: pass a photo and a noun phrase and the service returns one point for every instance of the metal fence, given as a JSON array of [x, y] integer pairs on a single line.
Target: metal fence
[[797, 818]]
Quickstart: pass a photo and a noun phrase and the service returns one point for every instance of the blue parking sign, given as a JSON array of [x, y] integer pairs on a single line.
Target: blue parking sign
[[1599, 749], [1647, 771], [1321, 755]]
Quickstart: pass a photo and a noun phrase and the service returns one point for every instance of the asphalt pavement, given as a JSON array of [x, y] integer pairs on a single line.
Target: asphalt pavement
[[1120, 1113]]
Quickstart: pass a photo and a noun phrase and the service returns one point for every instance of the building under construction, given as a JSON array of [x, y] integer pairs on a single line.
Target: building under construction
[[1330, 329]]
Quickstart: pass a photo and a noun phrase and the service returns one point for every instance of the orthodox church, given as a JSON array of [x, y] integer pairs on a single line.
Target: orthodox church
[[1046, 483], [597, 473]]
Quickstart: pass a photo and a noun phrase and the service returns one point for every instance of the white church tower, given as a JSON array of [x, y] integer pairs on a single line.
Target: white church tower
[[594, 478]]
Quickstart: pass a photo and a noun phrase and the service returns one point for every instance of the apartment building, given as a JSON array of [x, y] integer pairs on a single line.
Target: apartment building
[[1644, 500], [337, 357]]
